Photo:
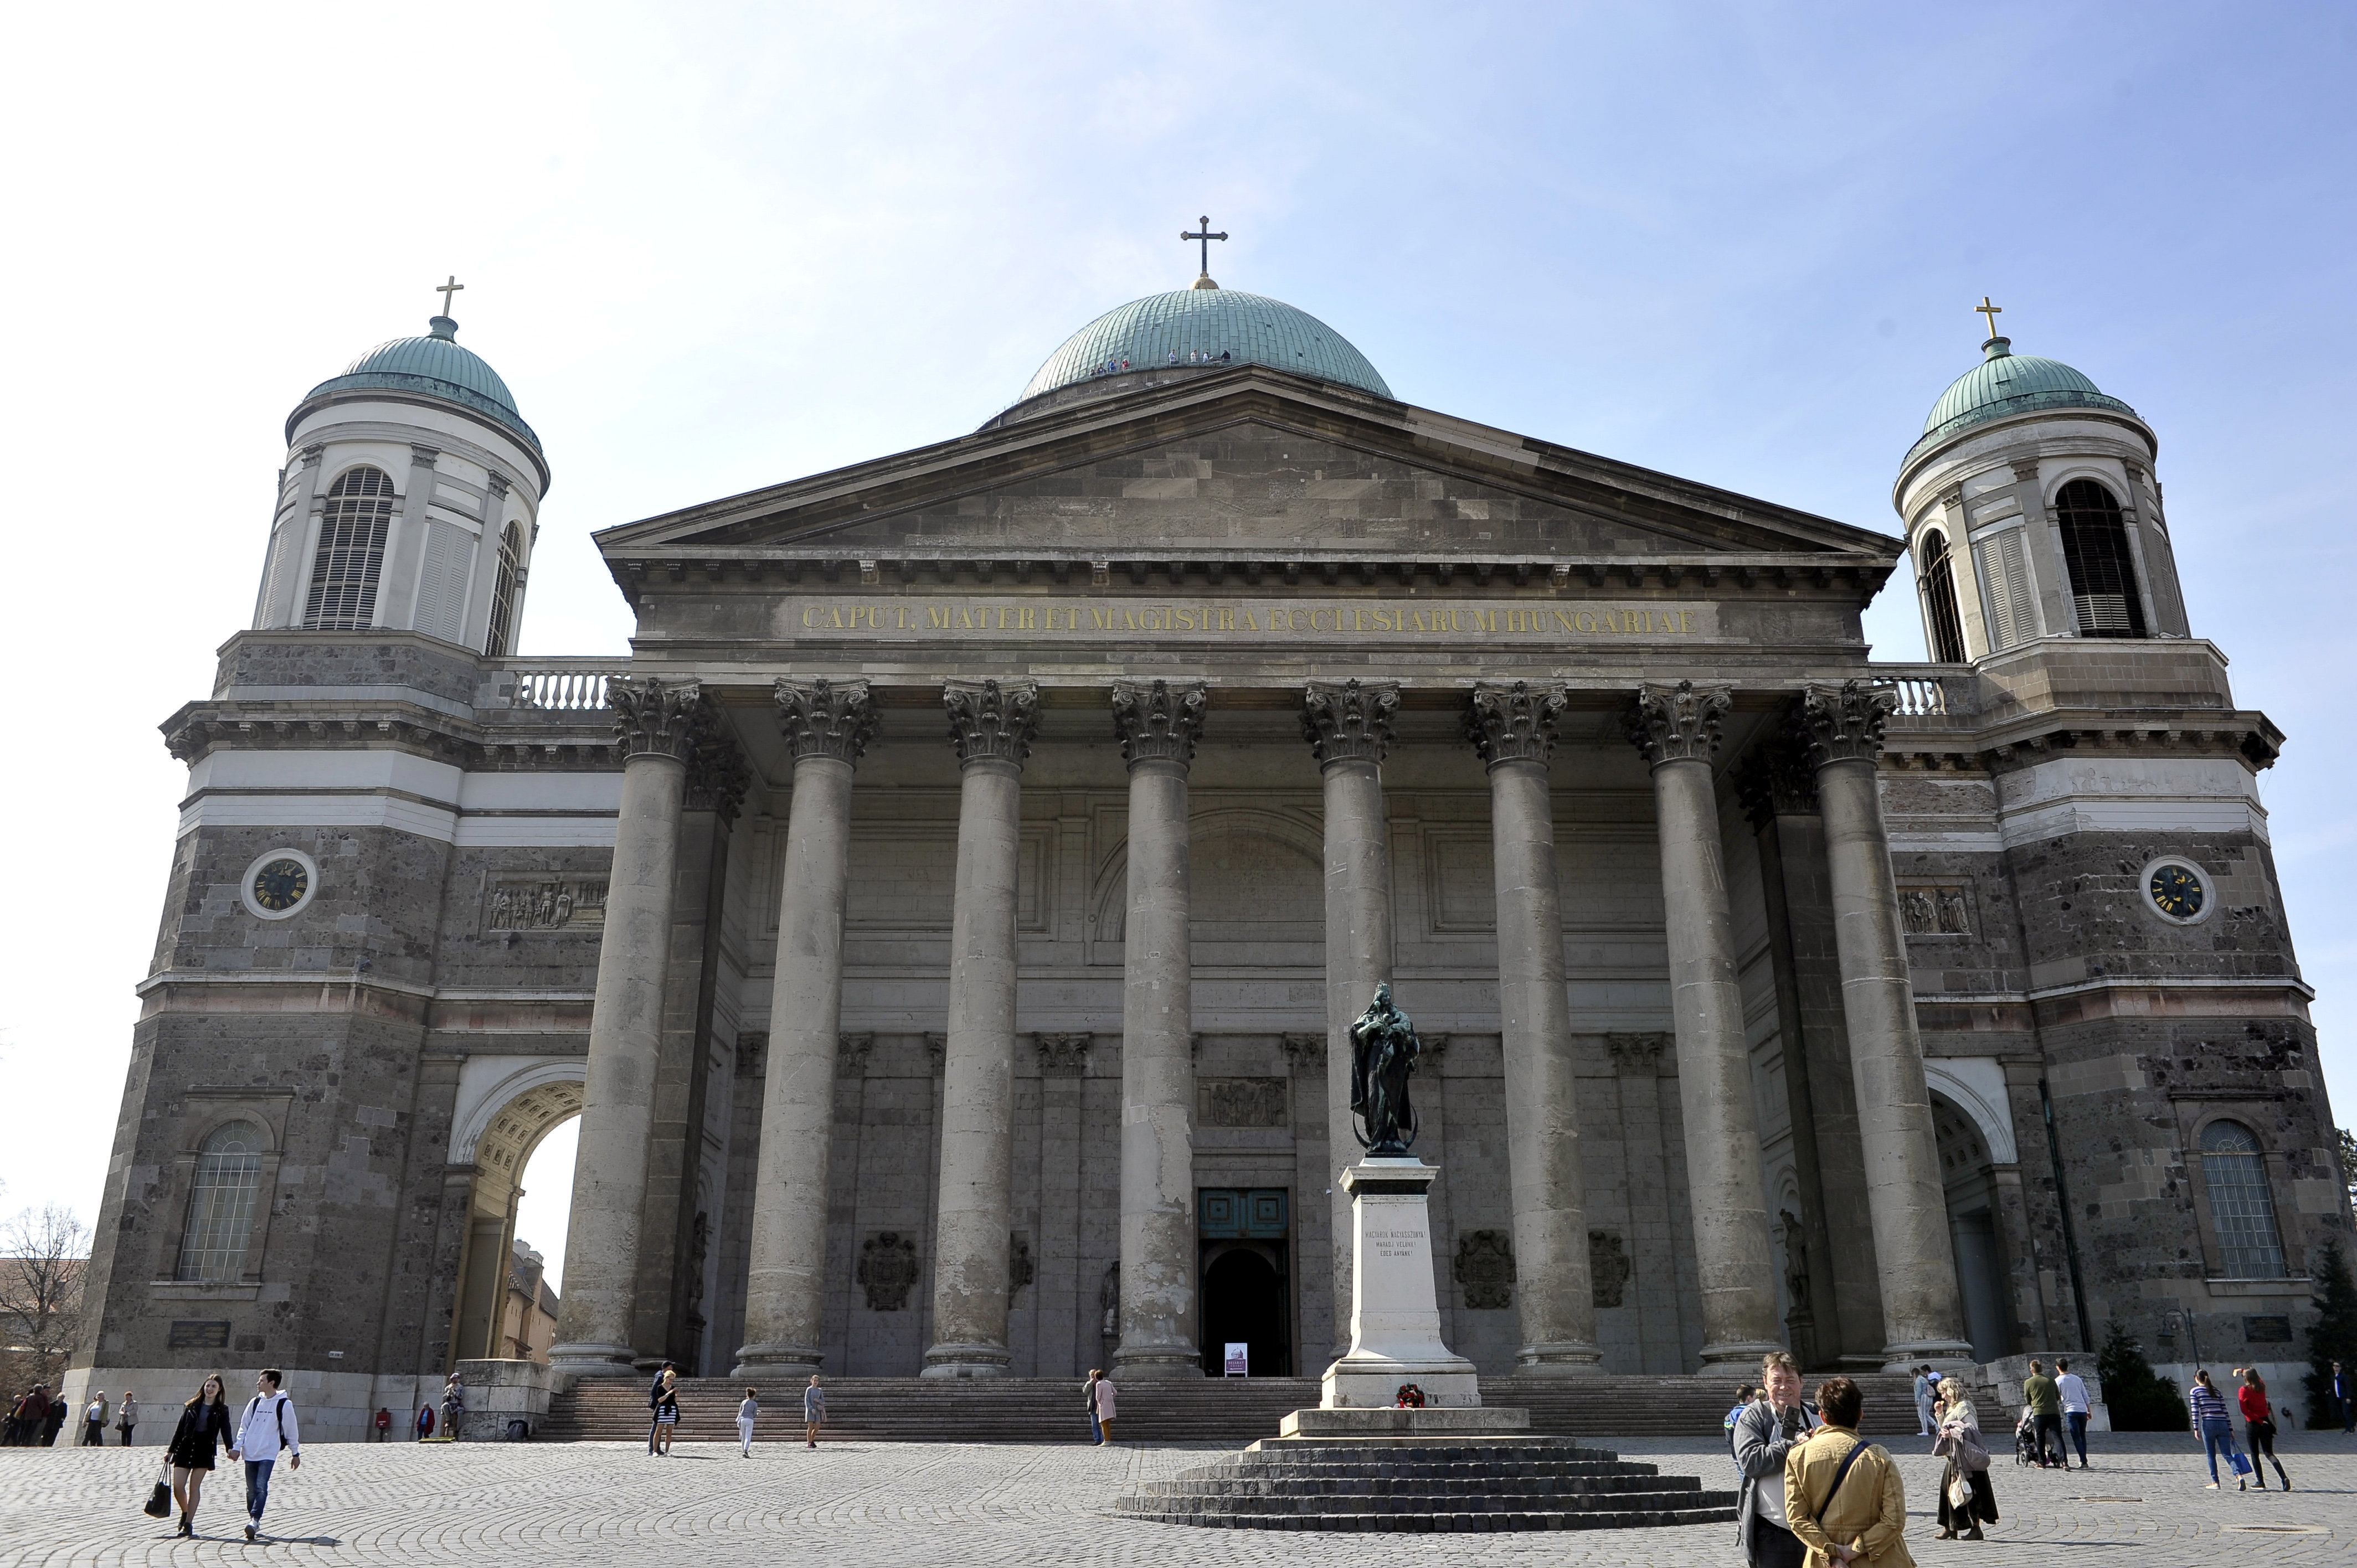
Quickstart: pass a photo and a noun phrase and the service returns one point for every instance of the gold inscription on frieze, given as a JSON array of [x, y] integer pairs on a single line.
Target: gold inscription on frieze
[[1278, 620]]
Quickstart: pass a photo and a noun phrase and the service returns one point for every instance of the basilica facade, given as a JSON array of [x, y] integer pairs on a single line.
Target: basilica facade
[[946, 921]]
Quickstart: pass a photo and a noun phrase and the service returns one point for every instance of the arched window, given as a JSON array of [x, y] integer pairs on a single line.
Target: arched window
[[503, 592], [351, 553], [2242, 1209], [2103, 572], [1937, 583], [221, 1204]]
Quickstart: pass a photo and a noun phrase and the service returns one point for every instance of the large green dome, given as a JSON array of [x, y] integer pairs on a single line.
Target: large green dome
[[2006, 384], [1199, 324], [436, 366]]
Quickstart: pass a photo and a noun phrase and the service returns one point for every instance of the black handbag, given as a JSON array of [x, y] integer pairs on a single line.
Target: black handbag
[[160, 1500]]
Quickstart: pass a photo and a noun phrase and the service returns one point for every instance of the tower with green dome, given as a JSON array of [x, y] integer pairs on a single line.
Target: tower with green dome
[[409, 501]]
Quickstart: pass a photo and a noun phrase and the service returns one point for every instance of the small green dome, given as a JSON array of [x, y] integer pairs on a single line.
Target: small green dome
[[1201, 325], [436, 366], [2006, 384]]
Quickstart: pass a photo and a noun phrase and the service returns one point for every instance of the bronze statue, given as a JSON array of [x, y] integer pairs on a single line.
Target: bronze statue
[[1384, 1048]]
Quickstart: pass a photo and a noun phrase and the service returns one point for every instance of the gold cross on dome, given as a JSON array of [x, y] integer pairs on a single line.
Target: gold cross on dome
[[1205, 237], [446, 289], [1991, 311]]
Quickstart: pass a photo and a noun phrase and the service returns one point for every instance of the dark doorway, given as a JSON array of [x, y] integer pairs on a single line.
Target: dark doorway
[[1245, 1301], [1242, 1274]]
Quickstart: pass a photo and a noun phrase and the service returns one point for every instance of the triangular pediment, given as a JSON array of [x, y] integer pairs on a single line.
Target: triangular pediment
[[1251, 463]]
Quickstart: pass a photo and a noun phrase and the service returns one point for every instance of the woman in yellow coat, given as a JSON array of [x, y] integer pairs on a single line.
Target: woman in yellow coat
[[1841, 1495]]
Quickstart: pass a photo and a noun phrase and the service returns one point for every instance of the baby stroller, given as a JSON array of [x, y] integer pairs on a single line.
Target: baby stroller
[[2025, 1440]]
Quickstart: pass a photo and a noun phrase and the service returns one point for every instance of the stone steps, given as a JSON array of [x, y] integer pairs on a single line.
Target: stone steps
[[1212, 1412], [1426, 1488]]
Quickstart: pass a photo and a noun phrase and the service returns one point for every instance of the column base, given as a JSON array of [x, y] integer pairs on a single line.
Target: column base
[[966, 1361], [778, 1361], [1737, 1353], [1566, 1359], [1157, 1361], [589, 1358], [1945, 1355]]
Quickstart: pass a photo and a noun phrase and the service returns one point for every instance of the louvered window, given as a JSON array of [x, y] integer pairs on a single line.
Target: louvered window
[[1937, 582], [444, 579], [2103, 572], [2010, 603], [220, 1205], [351, 553], [503, 592], [2242, 1209]]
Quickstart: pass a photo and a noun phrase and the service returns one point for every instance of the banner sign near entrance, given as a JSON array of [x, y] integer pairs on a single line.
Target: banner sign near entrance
[[1239, 1359]]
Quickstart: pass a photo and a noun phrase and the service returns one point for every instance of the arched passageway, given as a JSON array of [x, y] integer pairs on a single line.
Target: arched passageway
[[1967, 1176], [502, 1148]]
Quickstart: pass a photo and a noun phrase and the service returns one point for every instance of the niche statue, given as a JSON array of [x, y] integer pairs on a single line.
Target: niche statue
[[1384, 1048]]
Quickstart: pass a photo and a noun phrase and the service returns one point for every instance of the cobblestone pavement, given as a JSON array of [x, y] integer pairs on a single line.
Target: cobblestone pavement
[[860, 1504]]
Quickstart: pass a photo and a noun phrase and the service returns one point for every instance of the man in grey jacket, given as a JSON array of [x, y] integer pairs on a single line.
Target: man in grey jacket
[[1764, 1434]]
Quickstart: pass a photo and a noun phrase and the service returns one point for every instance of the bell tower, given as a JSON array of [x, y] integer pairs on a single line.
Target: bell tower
[[409, 499]]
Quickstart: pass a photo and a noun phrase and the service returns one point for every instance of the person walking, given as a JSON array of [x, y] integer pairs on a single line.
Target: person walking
[[1843, 1494], [745, 1415], [425, 1421], [267, 1427], [1925, 1416], [666, 1398], [2217, 1432], [1961, 1443], [2259, 1425], [2044, 1402], [1766, 1435], [204, 1426], [383, 1424], [2344, 1395], [814, 1411], [126, 1416], [1104, 1393], [1089, 1399], [2073, 1389], [93, 1421]]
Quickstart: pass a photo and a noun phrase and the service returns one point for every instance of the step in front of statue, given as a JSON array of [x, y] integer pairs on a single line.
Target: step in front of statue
[[1538, 1485]]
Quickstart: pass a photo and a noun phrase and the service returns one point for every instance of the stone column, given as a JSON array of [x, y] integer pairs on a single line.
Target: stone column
[[1676, 727], [991, 723], [660, 727], [1158, 722], [1923, 1311], [1348, 726], [827, 726], [1512, 728]]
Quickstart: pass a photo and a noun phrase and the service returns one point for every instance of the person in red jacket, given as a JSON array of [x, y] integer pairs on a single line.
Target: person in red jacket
[[2259, 1423]]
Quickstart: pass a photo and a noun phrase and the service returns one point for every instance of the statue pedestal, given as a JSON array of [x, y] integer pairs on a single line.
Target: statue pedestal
[[1395, 1316]]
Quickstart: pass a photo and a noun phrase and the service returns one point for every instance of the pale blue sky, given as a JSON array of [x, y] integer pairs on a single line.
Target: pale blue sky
[[712, 248]]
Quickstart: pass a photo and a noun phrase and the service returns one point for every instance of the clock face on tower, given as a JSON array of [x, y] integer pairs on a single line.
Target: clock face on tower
[[2176, 890], [280, 885]]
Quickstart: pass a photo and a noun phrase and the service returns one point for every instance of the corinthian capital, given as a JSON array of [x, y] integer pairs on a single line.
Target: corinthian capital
[[1844, 722], [1513, 723], [1157, 721], [1678, 723], [825, 718], [1348, 721], [991, 720], [655, 719]]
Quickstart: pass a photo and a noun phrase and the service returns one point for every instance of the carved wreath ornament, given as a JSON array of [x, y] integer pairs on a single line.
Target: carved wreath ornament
[[888, 1269]]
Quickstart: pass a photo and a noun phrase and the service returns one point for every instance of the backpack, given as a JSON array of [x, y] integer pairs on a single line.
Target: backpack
[[278, 1408]]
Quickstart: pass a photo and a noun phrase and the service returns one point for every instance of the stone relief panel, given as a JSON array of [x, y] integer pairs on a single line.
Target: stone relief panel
[[1936, 909], [888, 1269], [1607, 1267], [544, 904], [1240, 1101], [1485, 1269]]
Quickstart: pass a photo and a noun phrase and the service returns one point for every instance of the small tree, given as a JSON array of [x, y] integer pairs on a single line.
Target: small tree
[[2348, 1162], [2333, 1335], [44, 1255], [2139, 1399]]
